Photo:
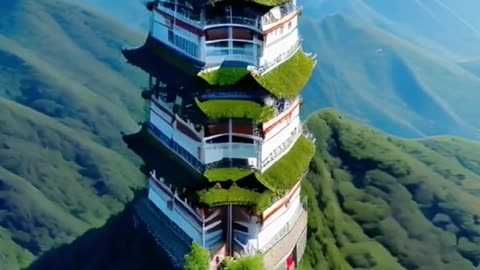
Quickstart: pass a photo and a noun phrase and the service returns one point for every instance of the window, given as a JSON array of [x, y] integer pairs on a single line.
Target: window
[[183, 44]]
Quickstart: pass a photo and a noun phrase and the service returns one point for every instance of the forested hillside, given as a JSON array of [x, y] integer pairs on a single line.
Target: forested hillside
[[65, 97], [378, 202]]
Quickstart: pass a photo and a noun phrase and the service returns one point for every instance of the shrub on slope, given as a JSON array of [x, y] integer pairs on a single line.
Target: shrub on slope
[[378, 202]]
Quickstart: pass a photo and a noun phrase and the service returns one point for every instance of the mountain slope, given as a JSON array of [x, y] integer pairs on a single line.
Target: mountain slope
[[378, 202], [368, 73], [449, 27], [66, 94], [388, 82]]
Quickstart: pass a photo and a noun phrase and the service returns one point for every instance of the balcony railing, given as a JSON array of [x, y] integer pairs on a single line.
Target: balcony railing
[[285, 230], [268, 20], [195, 20], [281, 149], [266, 67]]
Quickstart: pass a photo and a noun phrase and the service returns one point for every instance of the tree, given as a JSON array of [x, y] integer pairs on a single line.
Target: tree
[[197, 259]]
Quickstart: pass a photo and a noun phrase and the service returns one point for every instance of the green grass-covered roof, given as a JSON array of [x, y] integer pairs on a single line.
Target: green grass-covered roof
[[278, 179], [289, 78], [224, 109], [238, 196], [225, 174], [224, 76], [285, 172], [286, 80]]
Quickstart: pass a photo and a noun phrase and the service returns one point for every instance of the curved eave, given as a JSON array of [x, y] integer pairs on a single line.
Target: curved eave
[[225, 109], [289, 78], [165, 63], [286, 80], [286, 171]]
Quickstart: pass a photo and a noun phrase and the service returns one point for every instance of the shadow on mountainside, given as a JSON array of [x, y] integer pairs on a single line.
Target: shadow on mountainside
[[117, 245]]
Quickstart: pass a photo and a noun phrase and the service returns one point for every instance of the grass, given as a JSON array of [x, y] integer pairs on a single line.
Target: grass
[[224, 76], [225, 174], [284, 173], [218, 109], [233, 195], [288, 79], [242, 263], [379, 202]]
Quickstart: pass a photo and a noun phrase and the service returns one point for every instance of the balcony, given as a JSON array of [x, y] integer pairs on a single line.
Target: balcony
[[278, 14]]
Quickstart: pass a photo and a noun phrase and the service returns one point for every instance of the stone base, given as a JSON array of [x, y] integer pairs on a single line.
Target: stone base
[[291, 244]]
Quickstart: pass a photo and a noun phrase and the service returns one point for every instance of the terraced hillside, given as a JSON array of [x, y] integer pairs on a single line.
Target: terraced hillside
[[378, 202]]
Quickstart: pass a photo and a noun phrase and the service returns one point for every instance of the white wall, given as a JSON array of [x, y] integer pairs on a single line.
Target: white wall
[[261, 234], [160, 27], [278, 224], [187, 143], [159, 198], [160, 123], [278, 42], [280, 124], [218, 151], [272, 143]]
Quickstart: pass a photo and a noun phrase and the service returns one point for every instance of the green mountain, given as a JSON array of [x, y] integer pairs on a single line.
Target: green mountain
[[65, 96], [451, 28], [379, 202], [376, 202], [387, 82]]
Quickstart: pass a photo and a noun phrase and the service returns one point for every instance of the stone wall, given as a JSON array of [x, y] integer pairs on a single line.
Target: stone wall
[[275, 257]]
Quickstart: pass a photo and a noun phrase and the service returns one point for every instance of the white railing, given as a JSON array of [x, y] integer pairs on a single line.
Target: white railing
[[284, 231], [196, 21], [265, 68], [269, 20], [281, 149]]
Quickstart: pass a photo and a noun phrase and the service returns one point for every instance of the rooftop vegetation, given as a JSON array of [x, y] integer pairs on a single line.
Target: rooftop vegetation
[[236, 195], [243, 263], [282, 175], [197, 259], [217, 109], [224, 75], [225, 174], [288, 79]]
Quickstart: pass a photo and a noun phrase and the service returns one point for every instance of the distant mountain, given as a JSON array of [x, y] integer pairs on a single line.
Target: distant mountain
[[472, 66], [388, 82], [451, 27], [379, 202], [369, 73], [66, 95]]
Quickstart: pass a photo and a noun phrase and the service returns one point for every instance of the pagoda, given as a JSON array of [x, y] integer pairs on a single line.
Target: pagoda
[[224, 100]]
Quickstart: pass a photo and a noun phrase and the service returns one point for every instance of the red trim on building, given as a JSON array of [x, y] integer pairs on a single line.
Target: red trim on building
[[176, 202], [285, 117], [184, 25], [187, 131], [280, 25], [285, 202]]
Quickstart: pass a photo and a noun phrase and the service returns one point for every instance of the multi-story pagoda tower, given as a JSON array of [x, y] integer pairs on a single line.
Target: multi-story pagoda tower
[[224, 84]]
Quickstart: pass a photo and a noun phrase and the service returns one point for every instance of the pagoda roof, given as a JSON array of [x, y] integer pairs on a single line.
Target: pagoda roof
[[286, 80], [169, 65], [225, 109]]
